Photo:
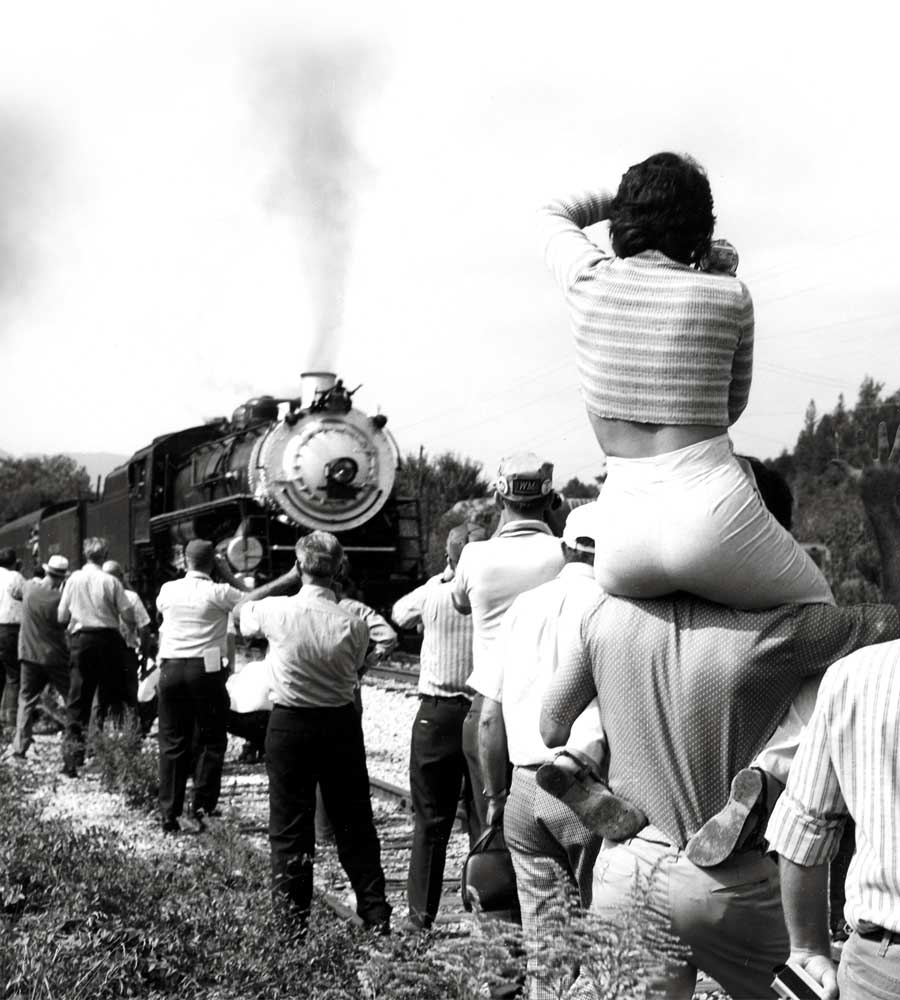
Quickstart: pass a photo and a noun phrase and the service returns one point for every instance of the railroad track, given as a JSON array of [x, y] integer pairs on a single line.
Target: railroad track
[[393, 672], [245, 794]]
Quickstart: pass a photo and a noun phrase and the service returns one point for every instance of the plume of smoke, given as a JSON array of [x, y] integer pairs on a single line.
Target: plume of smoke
[[312, 96], [24, 170]]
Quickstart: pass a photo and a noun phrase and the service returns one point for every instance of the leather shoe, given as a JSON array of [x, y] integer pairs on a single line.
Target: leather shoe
[[717, 838], [593, 803]]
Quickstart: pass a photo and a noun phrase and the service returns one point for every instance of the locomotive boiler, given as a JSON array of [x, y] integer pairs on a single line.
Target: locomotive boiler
[[253, 484]]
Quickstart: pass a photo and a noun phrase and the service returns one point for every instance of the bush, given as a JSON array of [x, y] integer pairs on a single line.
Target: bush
[[85, 918], [126, 763]]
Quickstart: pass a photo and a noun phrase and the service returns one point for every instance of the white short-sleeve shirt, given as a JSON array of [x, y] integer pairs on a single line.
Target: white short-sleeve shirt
[[195, 616], [533, 636], [491, 575]]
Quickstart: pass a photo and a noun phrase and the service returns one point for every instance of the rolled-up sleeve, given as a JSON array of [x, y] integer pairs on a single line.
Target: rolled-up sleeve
[[808, 820], [408, 609], [567, 250]]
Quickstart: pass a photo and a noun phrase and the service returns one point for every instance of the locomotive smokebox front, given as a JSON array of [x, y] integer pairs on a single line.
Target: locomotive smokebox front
[[326, 465]]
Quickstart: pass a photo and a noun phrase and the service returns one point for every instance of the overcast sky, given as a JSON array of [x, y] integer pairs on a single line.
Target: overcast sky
[[199, 200]]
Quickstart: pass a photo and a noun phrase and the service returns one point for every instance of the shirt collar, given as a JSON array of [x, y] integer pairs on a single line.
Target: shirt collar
[[314, 590], [578, 569], [197, 574], [523, 527]]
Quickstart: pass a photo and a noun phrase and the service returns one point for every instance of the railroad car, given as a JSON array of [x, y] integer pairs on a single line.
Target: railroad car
[[253, 484]]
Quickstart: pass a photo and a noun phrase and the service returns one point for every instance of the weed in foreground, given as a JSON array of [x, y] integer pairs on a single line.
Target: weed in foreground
[[126, 762], [84, 919]]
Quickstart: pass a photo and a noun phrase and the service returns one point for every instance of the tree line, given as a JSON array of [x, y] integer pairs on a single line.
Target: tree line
[[452, 488], [27, 484]]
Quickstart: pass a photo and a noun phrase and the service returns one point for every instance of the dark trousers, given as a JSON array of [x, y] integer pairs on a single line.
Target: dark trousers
[[478, 825], [208, 749], [96, 662], [120, 692], [250, 726], [306, 747], [437, 771], [193, 705], [35, 677], [9, 675]]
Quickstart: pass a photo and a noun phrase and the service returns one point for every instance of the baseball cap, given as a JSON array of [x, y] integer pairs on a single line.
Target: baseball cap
[[580, 530], [523, 476], [56, 566]]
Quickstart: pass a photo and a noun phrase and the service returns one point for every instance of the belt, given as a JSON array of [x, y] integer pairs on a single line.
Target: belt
[[653, 835], [461, 698], [873, 932], [309, 710]]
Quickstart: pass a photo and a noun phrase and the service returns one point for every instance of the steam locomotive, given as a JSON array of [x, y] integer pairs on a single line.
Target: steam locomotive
[[253, 484]]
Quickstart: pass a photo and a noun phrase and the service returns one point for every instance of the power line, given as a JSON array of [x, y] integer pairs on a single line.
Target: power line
[[516, 383]]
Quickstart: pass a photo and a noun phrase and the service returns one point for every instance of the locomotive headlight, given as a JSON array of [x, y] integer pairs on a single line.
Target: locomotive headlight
[[244, 553], [342, 471]]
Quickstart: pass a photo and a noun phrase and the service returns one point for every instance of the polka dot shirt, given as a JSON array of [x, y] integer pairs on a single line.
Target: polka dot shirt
[[690, 691]]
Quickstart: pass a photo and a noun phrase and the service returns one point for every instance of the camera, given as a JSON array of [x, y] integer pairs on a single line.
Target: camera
[[794, 983]]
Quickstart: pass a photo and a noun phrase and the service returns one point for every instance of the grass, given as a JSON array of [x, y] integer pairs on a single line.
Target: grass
[[84, 917]]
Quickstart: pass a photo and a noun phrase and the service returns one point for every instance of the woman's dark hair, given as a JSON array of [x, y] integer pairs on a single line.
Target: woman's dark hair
[[665, 204]]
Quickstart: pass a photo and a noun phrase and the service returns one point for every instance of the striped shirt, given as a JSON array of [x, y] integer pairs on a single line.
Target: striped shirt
[[848, 763], [446, 657], [690, 691], [656, 341]]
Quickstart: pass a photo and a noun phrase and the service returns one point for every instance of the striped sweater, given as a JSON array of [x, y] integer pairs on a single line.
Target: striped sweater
[[656, 341]]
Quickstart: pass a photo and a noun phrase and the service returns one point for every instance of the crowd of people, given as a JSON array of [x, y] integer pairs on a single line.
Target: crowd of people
[[659, 700]]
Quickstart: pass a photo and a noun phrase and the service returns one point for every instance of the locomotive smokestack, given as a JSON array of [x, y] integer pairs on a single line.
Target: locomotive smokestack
[[313, 384]]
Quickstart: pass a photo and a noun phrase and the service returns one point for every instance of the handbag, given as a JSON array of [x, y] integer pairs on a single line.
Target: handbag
[[488, 881]]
